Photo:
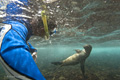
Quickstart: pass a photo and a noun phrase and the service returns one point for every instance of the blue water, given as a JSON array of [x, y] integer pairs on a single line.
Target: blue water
[[81, 22], [102, 64]]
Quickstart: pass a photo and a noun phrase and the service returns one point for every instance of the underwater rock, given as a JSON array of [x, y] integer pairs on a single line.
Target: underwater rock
[[62, 78], [49, 1]]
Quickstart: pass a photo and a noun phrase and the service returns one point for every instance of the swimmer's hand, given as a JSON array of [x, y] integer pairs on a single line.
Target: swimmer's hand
[[34, 55]]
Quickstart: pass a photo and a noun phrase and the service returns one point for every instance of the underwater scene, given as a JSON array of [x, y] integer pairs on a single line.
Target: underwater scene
[[79, 22]]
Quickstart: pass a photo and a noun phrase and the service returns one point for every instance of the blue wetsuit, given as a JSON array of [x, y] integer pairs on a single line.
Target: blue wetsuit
[[14, 49]]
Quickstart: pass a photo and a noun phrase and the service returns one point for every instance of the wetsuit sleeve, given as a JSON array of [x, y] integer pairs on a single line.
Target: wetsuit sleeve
[[32, 49], [15, 53]]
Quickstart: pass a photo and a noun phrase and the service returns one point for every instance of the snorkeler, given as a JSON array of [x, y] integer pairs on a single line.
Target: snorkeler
[[15, 50], [79, 57]]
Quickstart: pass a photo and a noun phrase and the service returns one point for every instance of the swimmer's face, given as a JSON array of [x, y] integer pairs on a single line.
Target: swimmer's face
[[51, 27]]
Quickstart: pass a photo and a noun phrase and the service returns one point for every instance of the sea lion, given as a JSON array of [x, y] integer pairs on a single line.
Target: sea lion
[[79, 57]]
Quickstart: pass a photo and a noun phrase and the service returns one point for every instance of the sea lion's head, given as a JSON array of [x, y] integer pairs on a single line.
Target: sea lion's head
[[88, 48]]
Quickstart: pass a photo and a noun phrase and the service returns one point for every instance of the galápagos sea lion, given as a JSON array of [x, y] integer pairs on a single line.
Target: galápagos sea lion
[[79, 57]]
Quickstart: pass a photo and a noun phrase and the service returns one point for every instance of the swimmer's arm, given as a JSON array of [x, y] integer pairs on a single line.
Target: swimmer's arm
[[32, 49]]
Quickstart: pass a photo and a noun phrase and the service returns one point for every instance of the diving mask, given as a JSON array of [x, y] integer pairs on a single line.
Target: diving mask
[[53, 32]]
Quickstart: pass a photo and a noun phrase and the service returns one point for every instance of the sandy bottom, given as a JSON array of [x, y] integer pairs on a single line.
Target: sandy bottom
[[96, 72], [96, 68]]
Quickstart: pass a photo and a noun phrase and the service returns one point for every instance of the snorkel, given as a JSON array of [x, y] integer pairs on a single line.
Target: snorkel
[[49, 31], [46, 25], [44, 19]]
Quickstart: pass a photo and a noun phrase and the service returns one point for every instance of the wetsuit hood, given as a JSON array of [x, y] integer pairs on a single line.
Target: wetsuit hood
[[15, 12]]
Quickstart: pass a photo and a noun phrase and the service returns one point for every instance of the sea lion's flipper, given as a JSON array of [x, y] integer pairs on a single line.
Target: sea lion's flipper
[[78, 50], [56, 63], [83, 68]]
